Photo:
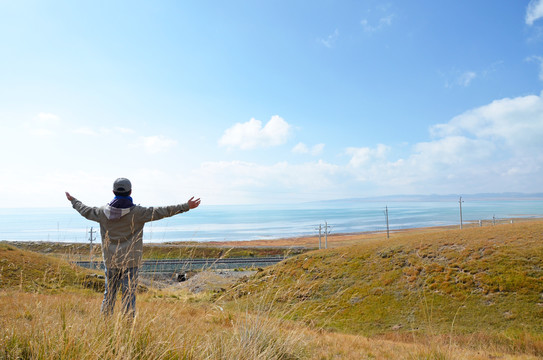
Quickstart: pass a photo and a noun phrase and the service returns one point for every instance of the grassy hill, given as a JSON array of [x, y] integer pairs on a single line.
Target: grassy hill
[[30, 271], [452, 295], [473, 283]]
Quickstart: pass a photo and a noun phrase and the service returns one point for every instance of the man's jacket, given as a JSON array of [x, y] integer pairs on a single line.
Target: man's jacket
[[122, 229]]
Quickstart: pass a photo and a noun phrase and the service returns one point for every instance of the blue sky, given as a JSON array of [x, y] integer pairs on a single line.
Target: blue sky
[[269, 101]]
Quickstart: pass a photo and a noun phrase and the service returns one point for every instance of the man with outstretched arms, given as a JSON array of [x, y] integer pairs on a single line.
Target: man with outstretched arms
[[121, 229]]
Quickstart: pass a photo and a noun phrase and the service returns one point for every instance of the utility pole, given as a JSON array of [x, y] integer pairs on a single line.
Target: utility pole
[[320, 231], [326, 232], [386, 216], [460, 202], [91, 239]]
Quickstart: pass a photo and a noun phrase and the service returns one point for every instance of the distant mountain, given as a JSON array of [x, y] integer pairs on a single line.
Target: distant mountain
[[435, 197]]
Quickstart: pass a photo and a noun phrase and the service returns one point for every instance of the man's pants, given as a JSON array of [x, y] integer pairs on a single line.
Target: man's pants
[[127, 280]]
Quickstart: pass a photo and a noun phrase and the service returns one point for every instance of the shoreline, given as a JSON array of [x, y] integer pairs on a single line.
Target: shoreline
[[309, 242], [341, 239]]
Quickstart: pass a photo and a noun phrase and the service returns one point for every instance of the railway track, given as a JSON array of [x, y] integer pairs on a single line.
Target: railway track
[[182, 265]]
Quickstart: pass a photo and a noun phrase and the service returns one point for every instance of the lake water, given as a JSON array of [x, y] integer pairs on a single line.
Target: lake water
[[231, 223]]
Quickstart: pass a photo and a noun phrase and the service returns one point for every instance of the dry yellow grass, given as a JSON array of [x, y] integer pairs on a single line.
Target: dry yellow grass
[[180, 326], [63, 321]]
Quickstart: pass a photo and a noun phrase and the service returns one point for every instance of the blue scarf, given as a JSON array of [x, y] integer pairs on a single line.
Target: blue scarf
[[122, 202]]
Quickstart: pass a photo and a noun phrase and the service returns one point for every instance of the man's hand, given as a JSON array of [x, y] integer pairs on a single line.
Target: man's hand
[[193, 204], [69, 197]]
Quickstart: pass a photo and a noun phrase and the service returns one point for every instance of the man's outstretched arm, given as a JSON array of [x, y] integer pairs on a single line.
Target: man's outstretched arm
[[90, 213], [160, 212], [193, 203]]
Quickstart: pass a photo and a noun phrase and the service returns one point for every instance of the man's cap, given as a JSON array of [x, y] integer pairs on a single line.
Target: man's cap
[[122, 185]]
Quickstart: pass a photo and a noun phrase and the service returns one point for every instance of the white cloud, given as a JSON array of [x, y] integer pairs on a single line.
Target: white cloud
[[317, 149], [496, 147], [362, 156], [330, 40], [452, 150], [466, 78], [247, 182], [42, 132], [517, 122], [156, 144], [47, 119], [461, 78], [251, 134], [492, 148], [43, 125], [302, 148], [123, 130], [86, 130], [534, 11], [378, 25]]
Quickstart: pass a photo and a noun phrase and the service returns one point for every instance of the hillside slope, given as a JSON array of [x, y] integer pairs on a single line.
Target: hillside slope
[[486, 281], [30, 271]]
